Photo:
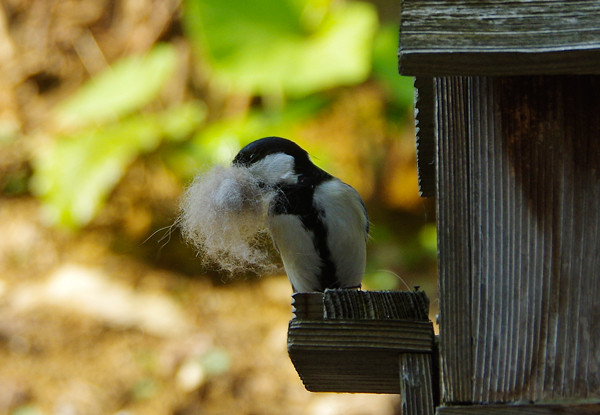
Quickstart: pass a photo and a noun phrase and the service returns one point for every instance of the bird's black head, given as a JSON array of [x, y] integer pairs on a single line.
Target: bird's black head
[[259, 149]]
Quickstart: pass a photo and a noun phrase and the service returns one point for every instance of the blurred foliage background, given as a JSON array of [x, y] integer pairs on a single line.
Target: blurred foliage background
[[108, 108]]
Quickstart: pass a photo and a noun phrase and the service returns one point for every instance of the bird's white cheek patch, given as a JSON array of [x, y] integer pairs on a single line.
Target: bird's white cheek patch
[[275, 169], [223, 214]]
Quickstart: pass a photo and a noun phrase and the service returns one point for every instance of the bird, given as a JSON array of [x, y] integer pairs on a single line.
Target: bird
[[318, 224]]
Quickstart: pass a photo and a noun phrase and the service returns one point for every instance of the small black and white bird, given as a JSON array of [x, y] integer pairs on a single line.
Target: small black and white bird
[[318, 224]]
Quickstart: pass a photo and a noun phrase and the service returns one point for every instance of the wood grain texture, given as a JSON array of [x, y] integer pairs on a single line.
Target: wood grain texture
[[519, 186], [348, 304], [355, 342], [417, 384], [499, 37], [354, 355], [398, 336], [573, 409], [342, 304], [307, 306], [452, 199], [424, 123]]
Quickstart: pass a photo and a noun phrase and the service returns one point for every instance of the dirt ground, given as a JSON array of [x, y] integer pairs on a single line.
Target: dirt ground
[[84, 330]]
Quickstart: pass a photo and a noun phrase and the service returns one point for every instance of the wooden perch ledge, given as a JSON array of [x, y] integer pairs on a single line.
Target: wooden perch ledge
[[360, 341]]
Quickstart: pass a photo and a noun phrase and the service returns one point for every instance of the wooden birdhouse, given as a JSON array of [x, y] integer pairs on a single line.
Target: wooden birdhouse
[[508, 144]]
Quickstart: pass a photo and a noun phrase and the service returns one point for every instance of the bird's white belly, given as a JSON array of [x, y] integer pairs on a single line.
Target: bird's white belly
[[295, 244], [346, 222]]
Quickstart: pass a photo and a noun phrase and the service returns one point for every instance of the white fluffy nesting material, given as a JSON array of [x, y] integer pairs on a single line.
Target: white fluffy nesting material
[[223, 214]]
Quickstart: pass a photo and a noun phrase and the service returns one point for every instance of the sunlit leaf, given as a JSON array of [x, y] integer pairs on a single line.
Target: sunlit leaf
[[179, 122], [129, 84], [74, 175], [267, 47], [385, 67], [219, 141]]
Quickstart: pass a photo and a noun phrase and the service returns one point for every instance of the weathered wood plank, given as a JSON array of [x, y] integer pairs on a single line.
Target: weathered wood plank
[[452, 200], [583, 409], [529, 202], [499, 37], [416, 384], [342, 304], [346, 304], [354, 355], [425, 131], [307, 306], [351, 341], [400, 336]]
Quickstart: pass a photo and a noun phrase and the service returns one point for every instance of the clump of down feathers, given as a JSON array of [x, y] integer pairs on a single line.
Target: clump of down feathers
[[224, 215]]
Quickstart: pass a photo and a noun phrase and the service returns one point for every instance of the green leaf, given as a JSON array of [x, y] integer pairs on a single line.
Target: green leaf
[[270, 47], [178, 123], [385, 68], [74, 175], [129, 84], [219, 141]]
